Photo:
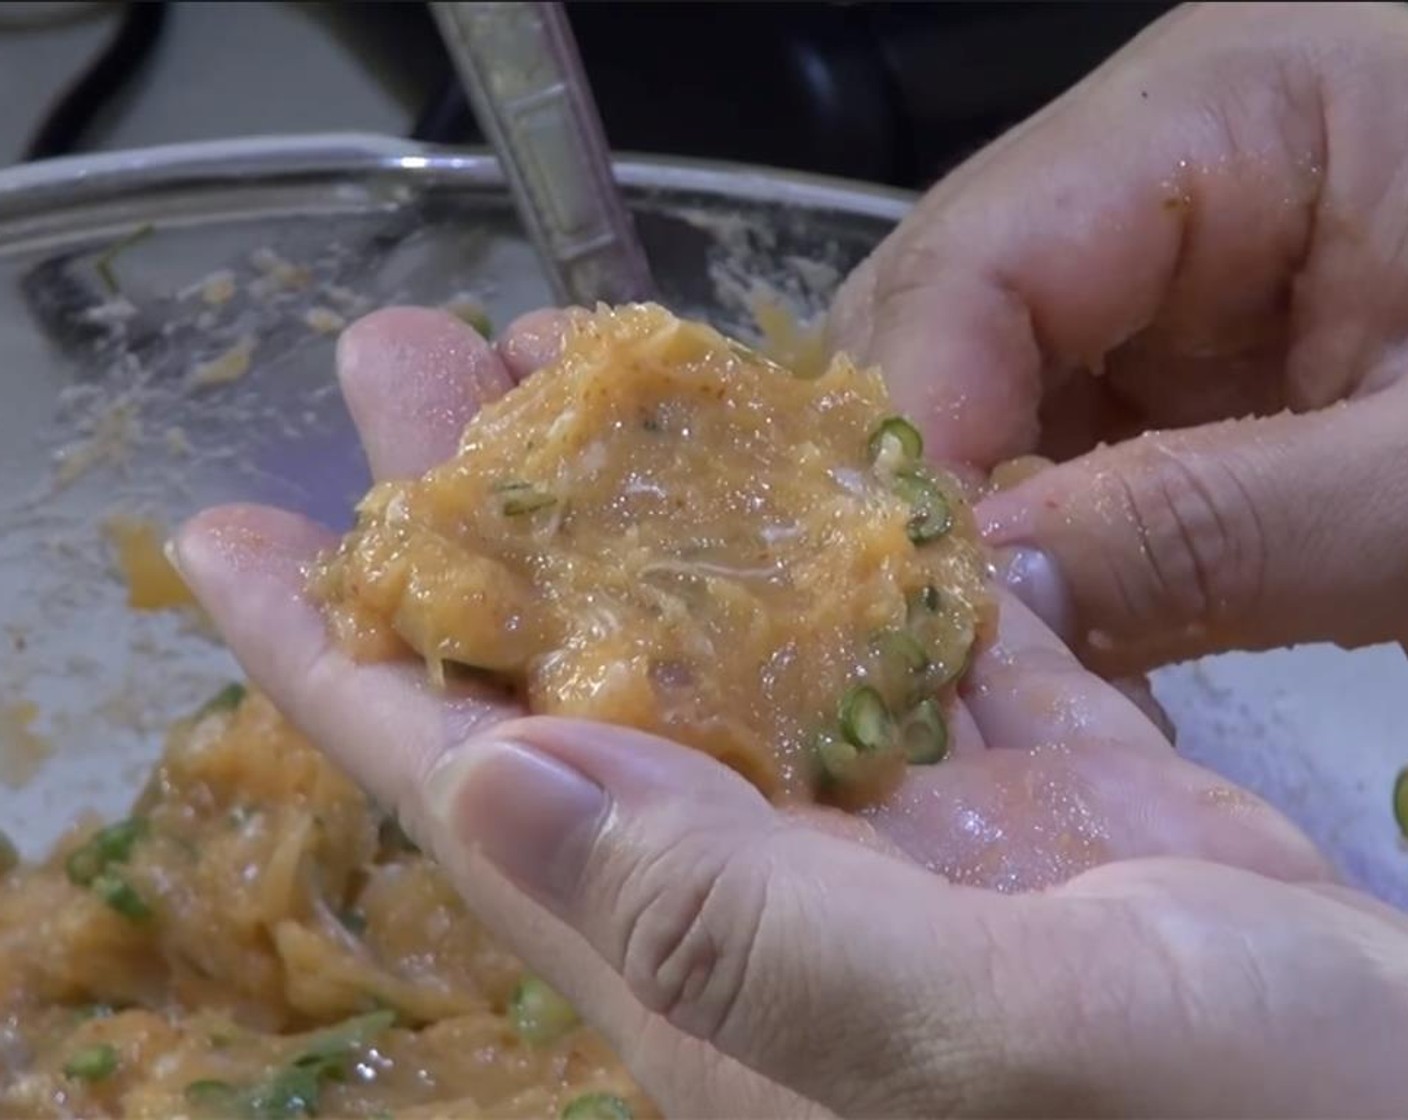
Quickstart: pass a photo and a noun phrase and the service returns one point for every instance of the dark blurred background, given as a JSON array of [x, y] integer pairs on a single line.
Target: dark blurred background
[[893, 93]]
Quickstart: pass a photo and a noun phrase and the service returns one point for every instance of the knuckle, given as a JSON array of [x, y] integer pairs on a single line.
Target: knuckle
[[910, 266], [693, 918], [1199, 534]]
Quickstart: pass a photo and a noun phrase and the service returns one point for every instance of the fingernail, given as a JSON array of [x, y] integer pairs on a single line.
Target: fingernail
[[173, 555], [1032, 576], [529, 814]]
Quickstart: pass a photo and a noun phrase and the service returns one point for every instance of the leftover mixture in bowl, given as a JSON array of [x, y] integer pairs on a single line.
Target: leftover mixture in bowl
[[257, 940]]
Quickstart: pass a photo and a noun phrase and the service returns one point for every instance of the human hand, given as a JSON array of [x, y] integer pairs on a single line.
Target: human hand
[[747, 961], [1216, 224]]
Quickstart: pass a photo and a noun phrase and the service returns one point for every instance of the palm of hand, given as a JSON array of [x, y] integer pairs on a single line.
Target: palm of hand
[[1052, 772]]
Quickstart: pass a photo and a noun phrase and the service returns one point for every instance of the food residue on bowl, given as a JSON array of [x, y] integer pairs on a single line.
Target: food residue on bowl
[[22, 749], [151, 581], [226, 367]]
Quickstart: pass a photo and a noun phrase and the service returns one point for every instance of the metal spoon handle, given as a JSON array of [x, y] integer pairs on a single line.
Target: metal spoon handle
[[520, 67]]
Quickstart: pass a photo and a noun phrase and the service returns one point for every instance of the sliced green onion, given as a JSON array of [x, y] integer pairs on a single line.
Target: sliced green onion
[[226, 700], [116, 841], [903, 434], [522, 497], [538, 1013], [901, 649], [930, 516], [473, 314], [351, 1034], [834, 757], [528, 503], [210, 1093], [112, 844], [103, 262], [1400, 801], [865, 721], [481, 322], [353, 920], [597, 1106], [927, 600], [120, 895], [924, 734], [92, 1063], [294, 1090]]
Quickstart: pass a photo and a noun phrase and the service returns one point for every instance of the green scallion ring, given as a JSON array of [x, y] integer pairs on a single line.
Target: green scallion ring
[[927, 600], [901, 649], [538, 1013], [597, 1106], [834, 757], [865, 721], [112, 844], [226, 700], [930, 516], [92, 1063], [1400, 801], [924, 734], [115, 842], [520, 502], [84, 865], [120, 895], [905, 434], [210, 1092]]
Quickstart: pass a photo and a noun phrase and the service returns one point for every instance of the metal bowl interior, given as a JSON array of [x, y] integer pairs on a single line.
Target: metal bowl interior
[[111, 323], [115, 404]]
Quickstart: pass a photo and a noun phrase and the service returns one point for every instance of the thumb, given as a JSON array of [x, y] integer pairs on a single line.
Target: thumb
[[857, 980], [1250, 534]]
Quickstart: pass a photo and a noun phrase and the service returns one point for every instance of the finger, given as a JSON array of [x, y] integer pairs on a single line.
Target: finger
[[1265, 958], [1170, 199], [864, 984], [1250, 535], [249, 567], [1137, 691], [1033, 579], [1028, 820], [690, 887], [413, 378], [1027, 690], [532, 341]]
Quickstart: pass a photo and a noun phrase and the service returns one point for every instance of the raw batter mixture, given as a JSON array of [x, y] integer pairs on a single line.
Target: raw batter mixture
[[256, 940], [665, 530]]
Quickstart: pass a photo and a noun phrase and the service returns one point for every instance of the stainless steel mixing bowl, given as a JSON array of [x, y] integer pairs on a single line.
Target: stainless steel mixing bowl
[[135, 288]]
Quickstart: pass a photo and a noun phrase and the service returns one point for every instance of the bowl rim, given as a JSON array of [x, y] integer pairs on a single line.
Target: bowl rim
[[32, 189]]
